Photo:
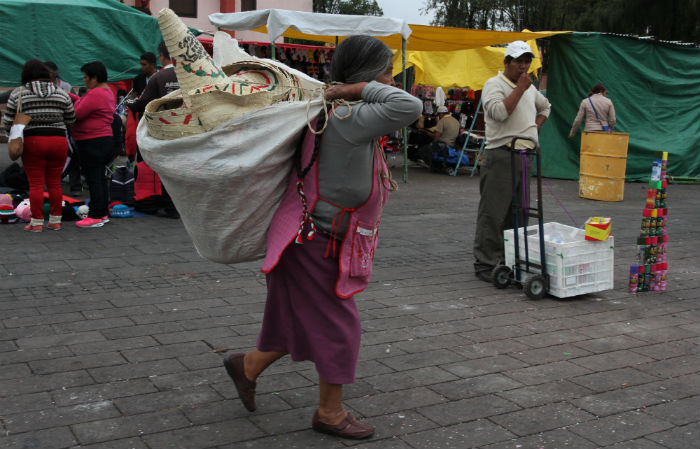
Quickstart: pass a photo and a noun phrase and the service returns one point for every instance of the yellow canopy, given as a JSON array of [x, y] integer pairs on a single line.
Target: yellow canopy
[[462, 68], [445, 56], [432, 38]]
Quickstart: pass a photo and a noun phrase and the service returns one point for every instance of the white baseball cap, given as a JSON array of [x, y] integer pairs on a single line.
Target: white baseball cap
[[518, 48], [442, 110]]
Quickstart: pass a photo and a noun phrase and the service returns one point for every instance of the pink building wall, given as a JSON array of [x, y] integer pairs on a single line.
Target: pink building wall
[[206, 7]]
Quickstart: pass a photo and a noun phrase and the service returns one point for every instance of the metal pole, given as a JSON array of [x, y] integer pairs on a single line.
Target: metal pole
[[273, 51], [405, 130]]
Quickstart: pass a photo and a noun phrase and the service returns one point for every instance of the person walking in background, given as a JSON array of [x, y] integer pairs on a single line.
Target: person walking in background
[[148, 69], [45, 145], [159, 84], [310, 312], [599, 111], [512, 107], [138, 84], [92, 133]]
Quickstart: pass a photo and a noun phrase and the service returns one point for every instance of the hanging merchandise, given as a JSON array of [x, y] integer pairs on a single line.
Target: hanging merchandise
[[440, 97], [311, 60]]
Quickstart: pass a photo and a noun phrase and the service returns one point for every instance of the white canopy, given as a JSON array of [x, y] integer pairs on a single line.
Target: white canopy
[[278, 21]]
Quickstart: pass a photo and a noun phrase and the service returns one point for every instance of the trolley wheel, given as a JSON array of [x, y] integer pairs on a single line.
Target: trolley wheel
[[501, 276], [452, 172], [534, 287]]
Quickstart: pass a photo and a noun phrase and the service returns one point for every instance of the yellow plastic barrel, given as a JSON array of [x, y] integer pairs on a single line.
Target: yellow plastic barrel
[[602, 165]]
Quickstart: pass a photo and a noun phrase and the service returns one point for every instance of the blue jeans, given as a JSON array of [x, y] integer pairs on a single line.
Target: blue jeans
[[94, 155]]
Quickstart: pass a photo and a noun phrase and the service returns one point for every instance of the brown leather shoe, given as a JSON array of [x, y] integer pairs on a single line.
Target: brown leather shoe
[[246, 388], [349, 427]]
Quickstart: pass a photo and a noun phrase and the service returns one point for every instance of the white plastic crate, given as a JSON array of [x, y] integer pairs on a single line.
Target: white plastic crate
[[575, 266]]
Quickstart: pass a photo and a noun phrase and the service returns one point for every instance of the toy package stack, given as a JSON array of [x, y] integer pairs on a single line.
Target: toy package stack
[[650, 271]]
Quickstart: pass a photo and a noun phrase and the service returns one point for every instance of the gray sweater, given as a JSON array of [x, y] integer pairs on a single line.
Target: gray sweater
[[345, 157]]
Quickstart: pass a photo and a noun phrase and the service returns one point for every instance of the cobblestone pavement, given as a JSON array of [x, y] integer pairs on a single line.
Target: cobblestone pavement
[[113, 338]]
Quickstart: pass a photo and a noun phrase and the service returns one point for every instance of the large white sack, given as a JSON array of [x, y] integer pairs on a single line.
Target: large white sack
[[228, 182]]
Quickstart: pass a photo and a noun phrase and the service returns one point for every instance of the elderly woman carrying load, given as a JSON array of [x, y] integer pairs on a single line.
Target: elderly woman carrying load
[[315, 265]]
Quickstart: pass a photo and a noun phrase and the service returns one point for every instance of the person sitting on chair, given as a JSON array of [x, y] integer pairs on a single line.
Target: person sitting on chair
[[447, 128]]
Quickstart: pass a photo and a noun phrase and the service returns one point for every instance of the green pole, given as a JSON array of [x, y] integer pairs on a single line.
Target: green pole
[[405, 130]]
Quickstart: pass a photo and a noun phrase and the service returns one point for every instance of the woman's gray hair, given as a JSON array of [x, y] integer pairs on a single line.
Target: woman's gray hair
[[360, 58]]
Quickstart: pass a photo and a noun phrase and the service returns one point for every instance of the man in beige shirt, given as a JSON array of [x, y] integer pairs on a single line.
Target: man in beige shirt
[[512, 107], [447, 128]]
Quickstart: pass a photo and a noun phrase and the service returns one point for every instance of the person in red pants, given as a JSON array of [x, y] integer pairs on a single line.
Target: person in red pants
[[45, 145]]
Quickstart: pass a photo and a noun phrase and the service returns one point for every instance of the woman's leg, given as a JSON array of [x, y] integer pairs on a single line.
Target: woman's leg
[[330, 405], [34, 161], [56, 159], [331, 417], [92, 164], [256, 361]]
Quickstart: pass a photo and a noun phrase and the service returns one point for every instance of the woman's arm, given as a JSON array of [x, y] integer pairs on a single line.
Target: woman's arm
[[85, 105], [385, 109], [611, 116], [9, 115], [68, 111], [577, 121], [349, 92]]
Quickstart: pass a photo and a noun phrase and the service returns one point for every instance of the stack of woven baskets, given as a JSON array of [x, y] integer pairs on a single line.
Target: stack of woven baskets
[[210, 95]]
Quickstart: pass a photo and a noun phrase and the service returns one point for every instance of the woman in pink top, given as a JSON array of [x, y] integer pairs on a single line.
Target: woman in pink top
[[92, 133]]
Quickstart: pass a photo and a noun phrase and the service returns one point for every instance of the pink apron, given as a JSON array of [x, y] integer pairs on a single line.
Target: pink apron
[[359, 243]]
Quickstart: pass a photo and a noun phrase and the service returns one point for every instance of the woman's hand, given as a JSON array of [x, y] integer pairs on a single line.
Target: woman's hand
[[349, 92]]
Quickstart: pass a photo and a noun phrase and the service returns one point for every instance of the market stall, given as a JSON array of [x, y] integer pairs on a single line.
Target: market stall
[[395, 33]]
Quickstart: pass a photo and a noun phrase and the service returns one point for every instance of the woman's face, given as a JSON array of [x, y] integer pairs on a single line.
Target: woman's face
[[387, 76], [90, 83]]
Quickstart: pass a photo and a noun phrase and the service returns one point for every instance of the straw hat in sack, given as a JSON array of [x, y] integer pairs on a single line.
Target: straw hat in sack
[[15, 143], [210, 95]]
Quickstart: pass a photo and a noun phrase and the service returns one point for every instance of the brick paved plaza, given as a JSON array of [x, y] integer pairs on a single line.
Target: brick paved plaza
[[113, 338]]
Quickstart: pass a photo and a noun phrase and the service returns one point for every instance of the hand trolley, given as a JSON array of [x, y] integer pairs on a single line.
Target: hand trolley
[[532, 277]]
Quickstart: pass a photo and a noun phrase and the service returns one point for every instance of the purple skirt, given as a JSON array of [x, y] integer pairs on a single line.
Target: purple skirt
[[304, 317]]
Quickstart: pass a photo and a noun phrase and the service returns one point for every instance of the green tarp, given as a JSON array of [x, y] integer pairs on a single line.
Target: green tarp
[[654, 86], [72, 33]]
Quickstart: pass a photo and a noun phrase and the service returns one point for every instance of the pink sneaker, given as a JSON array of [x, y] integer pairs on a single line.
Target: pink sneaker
[[90, 222], [105, 219], [54, 226], [36, 228]]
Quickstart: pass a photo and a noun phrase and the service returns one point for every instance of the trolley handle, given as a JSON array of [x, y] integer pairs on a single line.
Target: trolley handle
[[534, 150]]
